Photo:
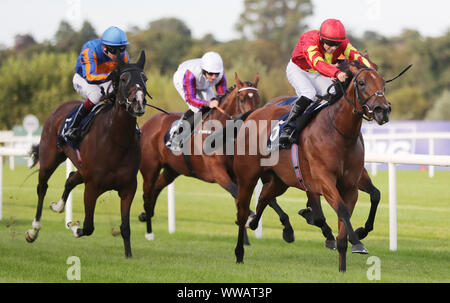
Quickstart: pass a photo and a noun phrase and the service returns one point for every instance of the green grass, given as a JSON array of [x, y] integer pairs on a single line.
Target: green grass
[[202, 248]]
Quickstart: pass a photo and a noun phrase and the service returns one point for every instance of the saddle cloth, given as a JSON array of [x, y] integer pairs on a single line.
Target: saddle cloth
[[308, 115], [85, 124]]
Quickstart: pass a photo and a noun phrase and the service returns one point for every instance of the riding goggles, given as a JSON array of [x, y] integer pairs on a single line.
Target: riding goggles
[[115, 49]]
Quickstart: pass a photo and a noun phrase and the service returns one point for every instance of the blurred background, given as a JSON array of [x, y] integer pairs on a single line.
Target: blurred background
[[40, 41]]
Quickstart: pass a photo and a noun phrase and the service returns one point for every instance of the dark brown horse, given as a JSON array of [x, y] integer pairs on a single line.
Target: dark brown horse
[[317, 218], [331, 156], [110, 152], [214, 168]]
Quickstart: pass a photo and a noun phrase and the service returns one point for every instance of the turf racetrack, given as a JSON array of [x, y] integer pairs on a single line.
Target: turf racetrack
[[202, 248]]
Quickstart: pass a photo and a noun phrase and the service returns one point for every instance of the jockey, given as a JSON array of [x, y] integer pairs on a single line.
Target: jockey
[[311, 68], [98, 58], [194, 80]]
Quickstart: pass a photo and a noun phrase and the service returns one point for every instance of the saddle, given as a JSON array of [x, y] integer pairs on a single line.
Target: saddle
[[85, 125], [305, 118]]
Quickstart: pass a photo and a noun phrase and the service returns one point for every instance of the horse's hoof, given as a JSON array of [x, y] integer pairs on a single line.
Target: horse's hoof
[[29, 238], [74, 226], [288, 235], [359, 249], [149, 236], [330, 244], [250, 219], [57, 207], [142, 217], [361, 233]]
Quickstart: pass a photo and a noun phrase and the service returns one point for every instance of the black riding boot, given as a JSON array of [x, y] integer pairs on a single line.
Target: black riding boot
[[287, 133], [73, 133]]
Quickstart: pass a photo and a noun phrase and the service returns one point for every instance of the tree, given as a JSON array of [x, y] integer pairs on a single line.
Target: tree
[[441, 108], [65, 37], [167, 41], [280, 21]]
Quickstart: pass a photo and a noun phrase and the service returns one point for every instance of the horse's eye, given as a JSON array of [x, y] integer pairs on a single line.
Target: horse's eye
[[361, 83]]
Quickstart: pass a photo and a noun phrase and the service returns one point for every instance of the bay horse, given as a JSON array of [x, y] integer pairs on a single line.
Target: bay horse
[[237, 103], [331, 156], [108, 156], [317, 217]]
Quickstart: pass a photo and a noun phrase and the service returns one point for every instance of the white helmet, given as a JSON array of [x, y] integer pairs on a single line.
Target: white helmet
[[212, 62]]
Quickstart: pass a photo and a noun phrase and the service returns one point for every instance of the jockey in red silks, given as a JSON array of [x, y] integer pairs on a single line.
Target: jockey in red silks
[[97, 59], [311, 68], [194, 80]]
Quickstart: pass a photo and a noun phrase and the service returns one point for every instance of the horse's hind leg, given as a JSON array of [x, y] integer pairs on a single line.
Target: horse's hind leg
[[154, 183], [272, 188], [246, 185], [72, 181], [313, 215], [366, 185], [46, 169]]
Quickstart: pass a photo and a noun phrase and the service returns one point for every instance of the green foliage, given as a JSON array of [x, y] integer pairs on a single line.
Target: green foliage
[[35, 77], [166, 41], [407, 103], [35, 86], [279, 21], [441, 108]]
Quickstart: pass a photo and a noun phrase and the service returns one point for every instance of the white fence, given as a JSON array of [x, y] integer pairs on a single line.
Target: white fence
[[372, 139], [391, 160]]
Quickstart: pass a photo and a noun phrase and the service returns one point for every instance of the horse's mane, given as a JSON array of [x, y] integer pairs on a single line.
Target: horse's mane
[[345, 67]]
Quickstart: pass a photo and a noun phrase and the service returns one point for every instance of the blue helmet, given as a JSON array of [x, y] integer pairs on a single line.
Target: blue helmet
[[114, 36]]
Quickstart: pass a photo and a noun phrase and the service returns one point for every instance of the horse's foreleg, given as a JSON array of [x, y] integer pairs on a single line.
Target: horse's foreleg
[[126, 198], [366, 185], [223, 179], [72, 181], [343, 212], [91, 193]]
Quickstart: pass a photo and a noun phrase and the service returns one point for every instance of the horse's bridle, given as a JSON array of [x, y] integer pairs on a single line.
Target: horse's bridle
[[123, 97], [237, 102], [364, 106]]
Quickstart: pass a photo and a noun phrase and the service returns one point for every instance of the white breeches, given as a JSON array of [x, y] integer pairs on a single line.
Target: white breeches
[[90, 91], [307, 84], [206, 94]]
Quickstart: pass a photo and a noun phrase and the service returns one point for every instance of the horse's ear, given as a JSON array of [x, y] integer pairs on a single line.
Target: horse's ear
[[238, 81], [141, 61], [256, 80]]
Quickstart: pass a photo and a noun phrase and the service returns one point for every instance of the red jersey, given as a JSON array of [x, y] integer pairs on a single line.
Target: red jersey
[[310, 55]]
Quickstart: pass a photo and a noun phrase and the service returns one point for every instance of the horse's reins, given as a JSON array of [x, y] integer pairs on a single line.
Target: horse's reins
[[237, 103], [364, 106]]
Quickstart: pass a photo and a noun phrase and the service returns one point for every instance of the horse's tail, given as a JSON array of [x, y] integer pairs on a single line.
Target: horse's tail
[[34, 154]]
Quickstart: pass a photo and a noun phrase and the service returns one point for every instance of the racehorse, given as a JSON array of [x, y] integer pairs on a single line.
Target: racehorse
[[236, 104], [317, 217], [330, 154], [109, 154]]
